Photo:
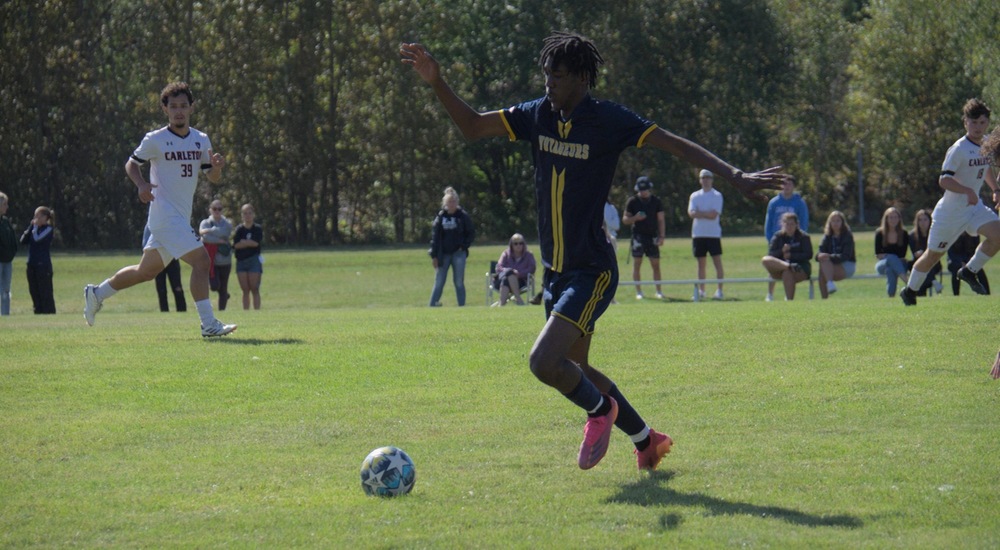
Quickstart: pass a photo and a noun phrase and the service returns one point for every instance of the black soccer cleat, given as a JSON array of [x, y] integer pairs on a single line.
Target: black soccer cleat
[[908, 296], [970, 277]]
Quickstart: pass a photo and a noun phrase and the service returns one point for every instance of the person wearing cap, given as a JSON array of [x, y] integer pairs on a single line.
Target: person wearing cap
[[705, 209], [786, 201], [644, 212]]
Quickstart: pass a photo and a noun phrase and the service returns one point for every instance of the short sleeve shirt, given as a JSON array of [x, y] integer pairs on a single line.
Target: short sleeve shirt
[[702, 201], [575, 162], [174, 164], [964, 163]]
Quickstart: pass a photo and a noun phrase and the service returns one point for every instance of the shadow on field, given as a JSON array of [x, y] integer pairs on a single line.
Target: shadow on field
[[653, 491], [236, 340]]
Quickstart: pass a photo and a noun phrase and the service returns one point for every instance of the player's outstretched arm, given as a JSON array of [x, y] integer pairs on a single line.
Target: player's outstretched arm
[[995, 372], [747, 183], [471, 123]]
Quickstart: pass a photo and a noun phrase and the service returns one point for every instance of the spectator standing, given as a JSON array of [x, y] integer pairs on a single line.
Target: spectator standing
[[705, 210], [958, 255], [789, 255], [836, 256], [918, 244], [891, 243], [612, 222], [38, 236], [644, 212], [249, 261], [451, 236], [516, 263], [8, 249], [216, 231], [786, 201]]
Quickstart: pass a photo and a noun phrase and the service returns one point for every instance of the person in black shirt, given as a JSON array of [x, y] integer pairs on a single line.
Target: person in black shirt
[[918, 244], [836, 257], [644, 212], [249, 263], [891, 243], [789, 254]]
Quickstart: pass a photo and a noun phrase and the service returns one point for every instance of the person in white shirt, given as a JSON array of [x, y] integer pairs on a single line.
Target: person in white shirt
[[960, 209], [705, 209], [612, 222], [176, 154]]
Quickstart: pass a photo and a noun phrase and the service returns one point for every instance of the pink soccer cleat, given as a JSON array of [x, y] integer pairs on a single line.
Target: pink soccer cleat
[[596, 434], [659, 445]]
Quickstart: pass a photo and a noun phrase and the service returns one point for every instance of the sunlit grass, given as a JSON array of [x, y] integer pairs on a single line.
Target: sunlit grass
[[851, 422]]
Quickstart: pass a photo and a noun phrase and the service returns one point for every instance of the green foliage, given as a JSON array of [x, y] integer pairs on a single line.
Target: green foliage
[[336, 142]]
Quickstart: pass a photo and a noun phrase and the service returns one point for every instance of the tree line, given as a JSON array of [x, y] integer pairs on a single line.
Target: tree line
[[335, 141]]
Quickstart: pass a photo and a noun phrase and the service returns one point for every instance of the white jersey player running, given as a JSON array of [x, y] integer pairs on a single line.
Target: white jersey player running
[[176, 154], [960, 209]]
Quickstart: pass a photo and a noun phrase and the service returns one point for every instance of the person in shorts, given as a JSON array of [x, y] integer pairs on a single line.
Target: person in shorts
[[644, 212], [789, 255], [705, 210], [576, 141], [249, 262], [176, 154], [960, 210]]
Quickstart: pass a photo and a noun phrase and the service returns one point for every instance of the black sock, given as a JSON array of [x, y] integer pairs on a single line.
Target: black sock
[[604, 409], [642, 445]]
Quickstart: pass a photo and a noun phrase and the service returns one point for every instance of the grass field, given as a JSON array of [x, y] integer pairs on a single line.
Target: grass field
[[847, 423]]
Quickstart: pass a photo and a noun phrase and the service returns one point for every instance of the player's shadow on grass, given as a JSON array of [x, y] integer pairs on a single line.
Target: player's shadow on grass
[[653, 491], [255, 341]]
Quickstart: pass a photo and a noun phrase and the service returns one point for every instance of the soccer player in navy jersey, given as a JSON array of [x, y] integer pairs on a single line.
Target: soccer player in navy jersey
[[576, 141]]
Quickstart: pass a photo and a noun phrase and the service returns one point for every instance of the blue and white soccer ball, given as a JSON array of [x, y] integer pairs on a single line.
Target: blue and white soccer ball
[[387, 472]]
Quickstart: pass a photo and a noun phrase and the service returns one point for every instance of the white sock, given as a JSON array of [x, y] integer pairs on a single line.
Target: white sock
[[978, 260], [204, 308], [917, 279], [641, 435], [104, 290]]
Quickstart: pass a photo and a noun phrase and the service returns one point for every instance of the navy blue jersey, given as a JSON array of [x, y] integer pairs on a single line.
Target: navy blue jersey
[[575, 162]]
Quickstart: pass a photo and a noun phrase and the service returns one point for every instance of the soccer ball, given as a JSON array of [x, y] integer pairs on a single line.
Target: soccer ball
[[387, 472]]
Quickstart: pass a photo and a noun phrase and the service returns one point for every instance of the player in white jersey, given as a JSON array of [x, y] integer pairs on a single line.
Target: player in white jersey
[[176, 154], [960, 209]]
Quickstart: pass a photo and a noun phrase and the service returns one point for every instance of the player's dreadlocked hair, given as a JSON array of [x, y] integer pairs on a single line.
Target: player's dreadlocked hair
[[991, 147], [578, 53]]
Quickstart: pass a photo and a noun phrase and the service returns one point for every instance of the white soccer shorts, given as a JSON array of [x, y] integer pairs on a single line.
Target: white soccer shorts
[[948, 222]]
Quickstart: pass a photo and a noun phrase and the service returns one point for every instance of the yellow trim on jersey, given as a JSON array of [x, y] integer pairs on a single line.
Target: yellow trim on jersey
[[557, 188], [510, 131], [642, 138]]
